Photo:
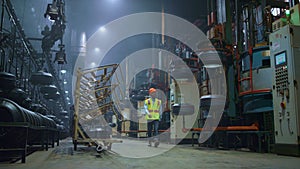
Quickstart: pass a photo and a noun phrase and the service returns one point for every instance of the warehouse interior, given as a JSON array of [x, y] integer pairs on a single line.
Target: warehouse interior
[[75, 77]]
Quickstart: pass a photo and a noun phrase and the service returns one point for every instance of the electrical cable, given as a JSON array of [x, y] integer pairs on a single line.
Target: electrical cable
[[289, 127], [2, 60], [280, 125]]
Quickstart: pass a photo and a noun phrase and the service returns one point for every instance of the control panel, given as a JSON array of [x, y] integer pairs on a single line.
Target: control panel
[[285, 50]]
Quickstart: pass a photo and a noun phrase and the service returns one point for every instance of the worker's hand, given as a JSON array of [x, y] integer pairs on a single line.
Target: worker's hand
[[149, 115]]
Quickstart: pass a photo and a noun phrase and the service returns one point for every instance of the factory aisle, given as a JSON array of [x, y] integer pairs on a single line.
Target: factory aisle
[[180, 157]]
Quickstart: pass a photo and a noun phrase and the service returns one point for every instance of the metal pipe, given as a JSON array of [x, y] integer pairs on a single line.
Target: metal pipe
[[251, 70], [2, 60], [228, 26], [2, 16], [291, 3], [139, 131], [21, 72], [252, 127], [13, 49], [251, 26], [14, 19]]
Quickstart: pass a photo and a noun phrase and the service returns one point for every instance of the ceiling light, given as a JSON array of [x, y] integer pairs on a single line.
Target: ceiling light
[[102, 29]]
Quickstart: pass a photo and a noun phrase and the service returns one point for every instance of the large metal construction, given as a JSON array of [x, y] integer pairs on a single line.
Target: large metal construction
[[32, 103], [92, 121]]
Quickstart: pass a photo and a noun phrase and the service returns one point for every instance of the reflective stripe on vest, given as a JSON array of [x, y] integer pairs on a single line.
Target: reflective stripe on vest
[[153, 109]]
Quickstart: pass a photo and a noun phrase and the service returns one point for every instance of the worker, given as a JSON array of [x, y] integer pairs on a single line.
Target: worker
[[153, 110]]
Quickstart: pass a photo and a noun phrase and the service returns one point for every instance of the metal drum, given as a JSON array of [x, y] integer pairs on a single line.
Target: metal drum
[[256, 81], [19, 96], [53, 96], [48, 89], [41, 78], [255, 72], [39, 109], [22, 126], [48, 122], [8, 81]]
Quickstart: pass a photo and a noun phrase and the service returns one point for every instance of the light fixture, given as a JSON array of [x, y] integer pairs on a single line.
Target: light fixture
[[52, 11], [63, 71], [102, 29], [97, 50], [60, 56], [66, 92], [93, 64], [211, 66]]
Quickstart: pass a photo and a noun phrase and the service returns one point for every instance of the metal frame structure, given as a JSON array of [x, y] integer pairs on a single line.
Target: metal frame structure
[[92, 100]]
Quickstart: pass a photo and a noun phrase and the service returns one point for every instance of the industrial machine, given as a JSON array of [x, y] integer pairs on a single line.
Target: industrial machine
[[255, 89], [285, 48]]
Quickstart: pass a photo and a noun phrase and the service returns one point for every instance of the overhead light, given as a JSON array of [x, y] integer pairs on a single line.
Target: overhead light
[[68, 98], [60, 56], [52, 11], [102, 29], [63, 71], [93, 64], [97, 50], [66, 92], [211, 66]]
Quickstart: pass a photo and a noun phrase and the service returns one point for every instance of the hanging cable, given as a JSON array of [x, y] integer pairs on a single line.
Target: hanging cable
[[2, 60], [2, 16], [289, 127], [280, 124]]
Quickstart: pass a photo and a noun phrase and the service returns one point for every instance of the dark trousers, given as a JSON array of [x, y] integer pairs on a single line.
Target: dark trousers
[[152, 124]]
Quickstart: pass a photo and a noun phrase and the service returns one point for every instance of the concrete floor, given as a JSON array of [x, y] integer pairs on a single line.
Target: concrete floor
[[179, 157]]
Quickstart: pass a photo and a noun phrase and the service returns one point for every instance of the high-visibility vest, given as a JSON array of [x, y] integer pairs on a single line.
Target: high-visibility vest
[[153, 108]]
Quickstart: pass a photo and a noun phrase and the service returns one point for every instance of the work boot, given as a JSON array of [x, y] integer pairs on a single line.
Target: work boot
[[156, 142], [149, 144]]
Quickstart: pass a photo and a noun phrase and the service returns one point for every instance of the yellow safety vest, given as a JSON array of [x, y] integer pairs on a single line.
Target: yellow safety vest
[[153, 108]]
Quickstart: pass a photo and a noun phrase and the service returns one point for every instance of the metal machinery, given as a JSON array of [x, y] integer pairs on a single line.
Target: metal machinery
[[31, 100], [239, 30], [94, 108], [21, 129], [285, 48], [255, 94]]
